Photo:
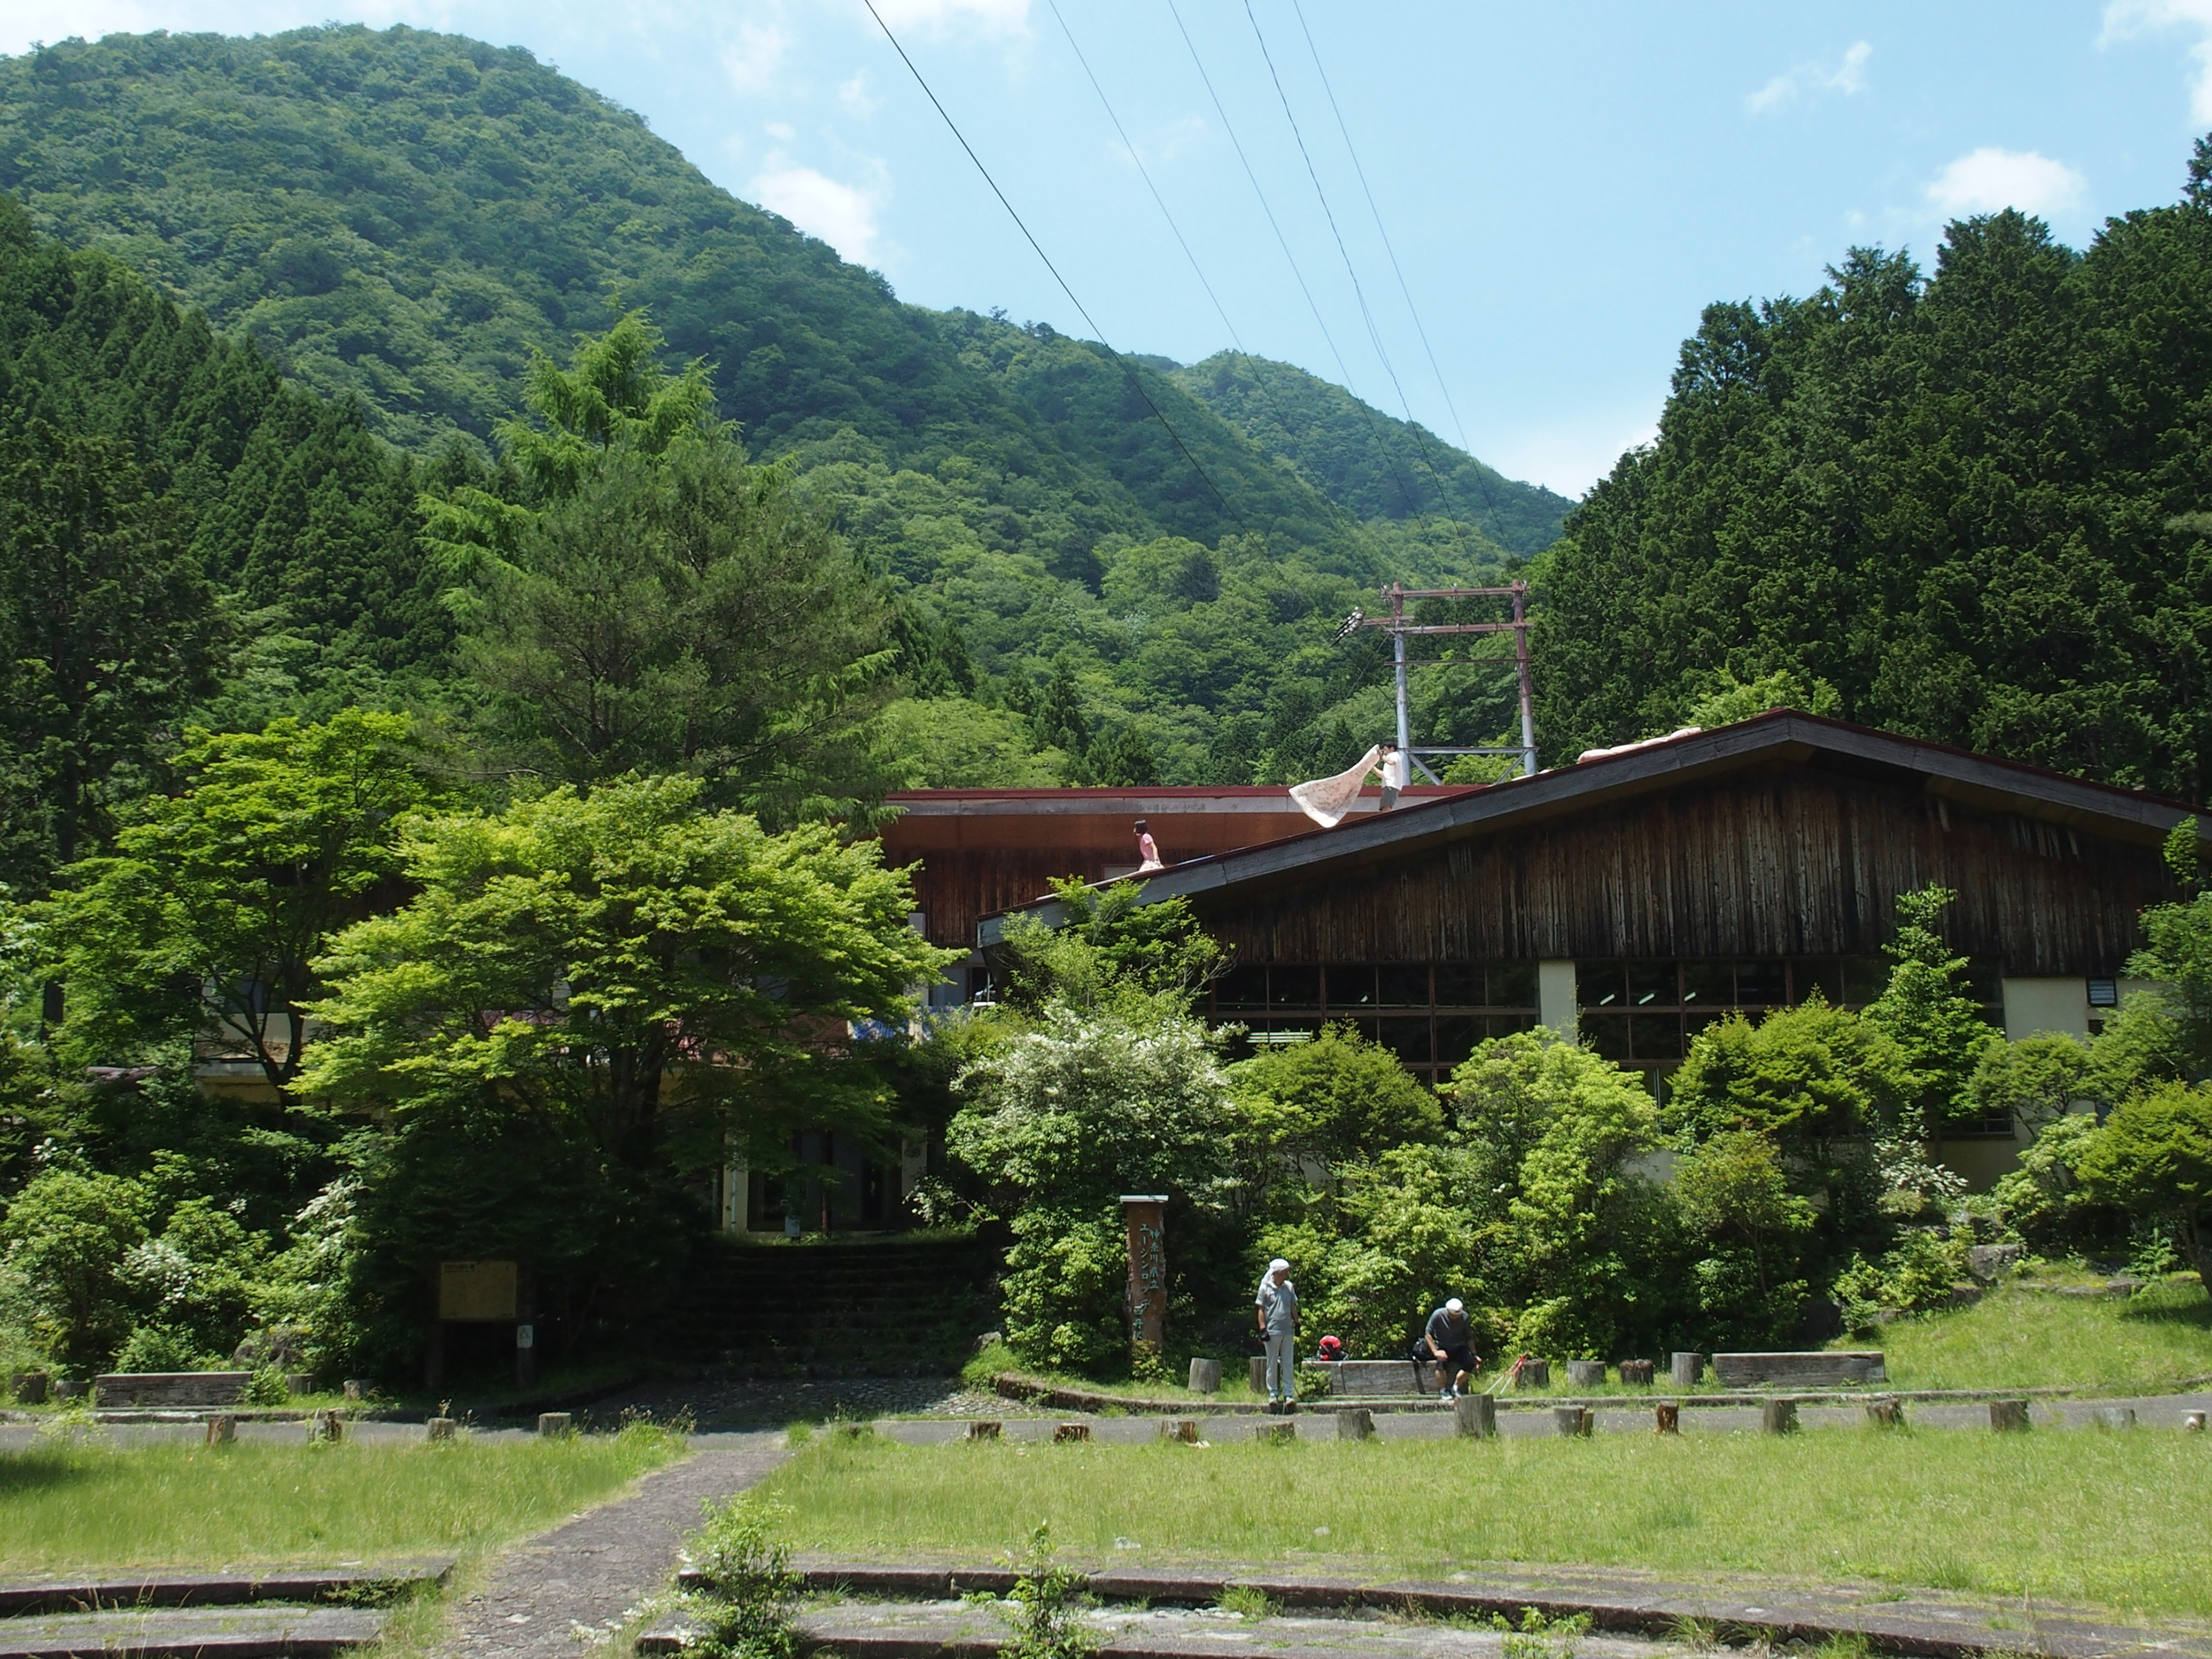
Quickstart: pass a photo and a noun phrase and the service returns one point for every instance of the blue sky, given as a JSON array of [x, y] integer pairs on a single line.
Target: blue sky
[[1565, 186]]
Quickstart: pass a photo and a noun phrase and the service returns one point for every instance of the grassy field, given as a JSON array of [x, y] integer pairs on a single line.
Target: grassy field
[[2092, 1519], [2022, 1339], [98, 1506]]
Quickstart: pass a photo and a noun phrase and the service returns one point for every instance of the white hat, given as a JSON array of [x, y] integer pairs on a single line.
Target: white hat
[[1278, 1265], [1455, 1306]]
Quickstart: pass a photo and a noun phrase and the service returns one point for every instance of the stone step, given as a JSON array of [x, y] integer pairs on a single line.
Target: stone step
[[76, 1592], [192, 1633]]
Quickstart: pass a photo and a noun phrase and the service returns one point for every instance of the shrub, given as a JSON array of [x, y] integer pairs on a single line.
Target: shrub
[[65, 1235], [1064, 1288], [746, 1568], [164, 1348]]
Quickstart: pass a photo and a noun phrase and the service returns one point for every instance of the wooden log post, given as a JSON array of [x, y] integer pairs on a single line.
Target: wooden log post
[[1572, 1422], [1146, 1297], [221, 1430], [31, 1387], [439, 1428], [325, 1426], [1536, 1373], [1206, 1376], [1687, 1369], [1637, 1373], [2115, 1417], [2009, 1416], [1067, 1434], [2194, 1422], [1586, 1373], [1778, 1416], [1667, 1418], [1887, 1413], [983, 1429], [1474, 1416], [1356, 1424], [1259, 1367], [1274, 1434], [1182, 1429], [556, 1425]]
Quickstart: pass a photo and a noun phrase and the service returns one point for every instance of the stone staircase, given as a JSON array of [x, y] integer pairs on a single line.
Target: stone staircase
[[886, 1308]]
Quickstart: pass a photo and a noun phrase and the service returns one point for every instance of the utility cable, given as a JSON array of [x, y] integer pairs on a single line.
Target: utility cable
[[1459, 426], [1382, 449], [1374, 337], [1182, 241], [1127, 369]]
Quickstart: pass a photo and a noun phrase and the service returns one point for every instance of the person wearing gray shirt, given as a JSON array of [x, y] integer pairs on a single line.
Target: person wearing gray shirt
[[1275, 1311]]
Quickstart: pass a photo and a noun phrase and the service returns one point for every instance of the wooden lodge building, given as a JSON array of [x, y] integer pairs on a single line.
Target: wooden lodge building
[[1632, 898]]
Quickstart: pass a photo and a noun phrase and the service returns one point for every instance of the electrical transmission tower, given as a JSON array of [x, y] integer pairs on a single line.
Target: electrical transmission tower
[[1399, 625]]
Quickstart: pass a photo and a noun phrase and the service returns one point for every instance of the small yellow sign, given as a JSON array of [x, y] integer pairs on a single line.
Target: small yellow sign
[[476, 1291]]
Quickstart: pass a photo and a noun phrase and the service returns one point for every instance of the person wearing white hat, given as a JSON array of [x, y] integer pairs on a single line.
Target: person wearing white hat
[[1275, 1311], [1449, 1339]]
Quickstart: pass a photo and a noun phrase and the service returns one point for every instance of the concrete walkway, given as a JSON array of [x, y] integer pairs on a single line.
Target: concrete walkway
[[580, 1580]]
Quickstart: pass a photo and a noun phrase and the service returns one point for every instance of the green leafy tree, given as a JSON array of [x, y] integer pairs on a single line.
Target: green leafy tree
[[614, 959], [218, 899], [2034, 1081], [1727, 699], [1107, 946], [2044, 1200], [1939, 1030], [108, 630], [1336, 1097], [656, 603], [1081, 1106], [66, 1235], [2153, 1159], [1734, 1196], [1813, 1072]]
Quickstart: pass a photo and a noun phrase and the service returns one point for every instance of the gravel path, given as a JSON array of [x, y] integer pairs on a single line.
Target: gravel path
[[575, 1583], [715, 1404]]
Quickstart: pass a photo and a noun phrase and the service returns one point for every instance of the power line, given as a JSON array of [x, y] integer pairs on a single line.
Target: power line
[[1127, 369], [1489, 500], [1375, 337], [1381, 448], [1457, 424], [1198, 270]]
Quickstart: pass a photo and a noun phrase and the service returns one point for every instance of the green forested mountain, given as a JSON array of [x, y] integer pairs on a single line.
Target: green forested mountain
[[1977, 504], [400, 218], [177, 528], [1370, 463]]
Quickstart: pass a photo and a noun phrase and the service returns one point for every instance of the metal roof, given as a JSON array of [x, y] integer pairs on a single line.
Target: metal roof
[[1779, 735]]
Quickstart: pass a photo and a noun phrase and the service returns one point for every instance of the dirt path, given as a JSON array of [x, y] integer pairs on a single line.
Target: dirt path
[[564, 1588]]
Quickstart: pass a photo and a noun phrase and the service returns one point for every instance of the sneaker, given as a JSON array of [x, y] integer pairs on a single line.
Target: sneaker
[[1445, 1395], [1289, 1406]]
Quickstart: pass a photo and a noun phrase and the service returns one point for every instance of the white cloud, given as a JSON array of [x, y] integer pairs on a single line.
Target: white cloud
[[855, 98], [752, 59], [781, 132], [841, 214], [1569, 457], [990, 16], [1847, 75], [1164, 144], [2126, 19], [1990, 179]]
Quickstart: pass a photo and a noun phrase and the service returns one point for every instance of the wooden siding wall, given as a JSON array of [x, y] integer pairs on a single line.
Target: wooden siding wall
[[955, 888], [1797, 863]]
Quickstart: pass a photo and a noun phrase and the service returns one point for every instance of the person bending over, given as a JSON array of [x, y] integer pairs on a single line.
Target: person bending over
[[1449, 1339]]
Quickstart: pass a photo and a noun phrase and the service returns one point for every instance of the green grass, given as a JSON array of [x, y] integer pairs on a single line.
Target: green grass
[[188, 1505], [2021, 1339], [2089, 1519]]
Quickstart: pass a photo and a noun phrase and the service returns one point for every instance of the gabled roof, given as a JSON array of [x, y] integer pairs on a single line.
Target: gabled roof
[[1779, 736]]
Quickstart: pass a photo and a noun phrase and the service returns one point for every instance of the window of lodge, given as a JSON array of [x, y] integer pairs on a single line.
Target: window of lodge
[[1430, 1015]]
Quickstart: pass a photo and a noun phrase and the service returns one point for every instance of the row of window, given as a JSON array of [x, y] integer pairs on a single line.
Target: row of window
[[1351, 987]]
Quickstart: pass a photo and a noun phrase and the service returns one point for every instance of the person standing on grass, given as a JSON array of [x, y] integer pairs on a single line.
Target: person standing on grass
[[1449, 1339], [1275, 1311]]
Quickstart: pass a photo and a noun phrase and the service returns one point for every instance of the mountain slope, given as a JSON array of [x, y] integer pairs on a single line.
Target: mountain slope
[[401, 217], [1370, 463]]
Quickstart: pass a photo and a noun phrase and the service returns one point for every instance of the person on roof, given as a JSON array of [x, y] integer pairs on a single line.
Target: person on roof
[[1148, 852], [1397, 773]]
